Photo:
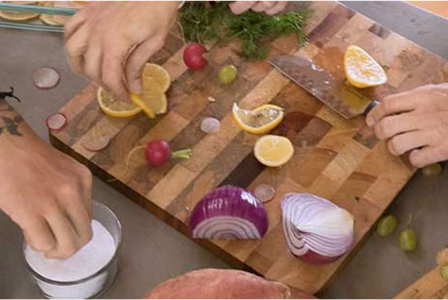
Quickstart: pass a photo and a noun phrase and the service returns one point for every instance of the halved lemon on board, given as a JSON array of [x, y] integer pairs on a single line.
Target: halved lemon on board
[[155, 76], [114, 107], [361, 69], [260, 120], [273, 150]]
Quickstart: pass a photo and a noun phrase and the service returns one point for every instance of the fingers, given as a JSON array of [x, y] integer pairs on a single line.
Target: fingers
[[262, 6], [393, 125], [76, 47], [92, 63], [113, 69], [429, 155], [65, 234], [403, 143], [86, 183], [81, 222], [75, 22], [39, 235], [277, 8], [136, 62], [390, 105], [239, 7]]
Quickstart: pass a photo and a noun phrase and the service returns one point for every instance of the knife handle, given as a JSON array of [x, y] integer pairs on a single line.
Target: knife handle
[[371, 106]]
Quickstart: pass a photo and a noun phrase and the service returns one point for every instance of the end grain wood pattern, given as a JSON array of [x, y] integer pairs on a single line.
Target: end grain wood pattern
[[334, 158], [430, 286]]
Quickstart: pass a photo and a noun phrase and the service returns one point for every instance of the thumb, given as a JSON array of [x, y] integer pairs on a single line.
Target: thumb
[[136, 62], [239, 7]]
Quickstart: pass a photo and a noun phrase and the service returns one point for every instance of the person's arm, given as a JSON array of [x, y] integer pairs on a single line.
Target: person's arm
[[45, 192], [416, 122]]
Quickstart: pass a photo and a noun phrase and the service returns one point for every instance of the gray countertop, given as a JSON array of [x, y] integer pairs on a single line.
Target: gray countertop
[[153, 252]]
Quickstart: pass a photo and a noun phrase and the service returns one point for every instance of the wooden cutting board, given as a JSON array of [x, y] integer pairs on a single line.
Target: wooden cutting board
[[334, 158]]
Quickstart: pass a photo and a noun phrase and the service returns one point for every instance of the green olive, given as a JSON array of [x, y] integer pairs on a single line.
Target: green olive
[[386, 225], [408, 240], [443, 271], [227, 74], [432, 170], [442, 257]]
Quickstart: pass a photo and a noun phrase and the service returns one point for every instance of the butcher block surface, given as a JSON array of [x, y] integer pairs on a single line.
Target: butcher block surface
[[334, 158]]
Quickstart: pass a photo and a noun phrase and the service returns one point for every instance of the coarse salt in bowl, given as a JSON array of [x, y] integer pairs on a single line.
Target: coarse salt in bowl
[[89, 272]]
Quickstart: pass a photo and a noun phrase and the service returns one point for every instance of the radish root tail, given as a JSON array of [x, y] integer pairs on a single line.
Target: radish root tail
[[129, 156]]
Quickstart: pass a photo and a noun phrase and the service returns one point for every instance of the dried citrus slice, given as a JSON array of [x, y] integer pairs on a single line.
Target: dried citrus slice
[[18, 16], [155, 76], [260, 120], [361, 69], [113, 107], [273, 150], [50, 20]]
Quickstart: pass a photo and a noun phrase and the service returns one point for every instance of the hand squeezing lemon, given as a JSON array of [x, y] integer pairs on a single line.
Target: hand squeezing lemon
[[152, 101]]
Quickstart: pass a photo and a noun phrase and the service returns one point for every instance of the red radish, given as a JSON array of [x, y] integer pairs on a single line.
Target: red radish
[[158, 152], [194, 56], [56, 122], [45, 78], [96, 144]]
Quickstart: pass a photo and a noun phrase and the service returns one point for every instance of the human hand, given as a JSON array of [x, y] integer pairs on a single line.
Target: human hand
[[269, 7], [415, 121], [47, 194], [110, 42]]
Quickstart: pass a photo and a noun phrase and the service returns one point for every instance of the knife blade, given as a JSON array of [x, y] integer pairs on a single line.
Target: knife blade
[[335, 93]]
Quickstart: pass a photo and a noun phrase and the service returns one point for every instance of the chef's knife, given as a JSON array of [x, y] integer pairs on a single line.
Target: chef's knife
[[336, 93]]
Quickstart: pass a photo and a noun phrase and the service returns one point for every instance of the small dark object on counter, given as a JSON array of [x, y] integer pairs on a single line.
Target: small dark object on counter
[[10, 94]]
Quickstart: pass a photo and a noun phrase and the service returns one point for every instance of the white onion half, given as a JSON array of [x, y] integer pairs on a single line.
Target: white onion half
[[316, 229]]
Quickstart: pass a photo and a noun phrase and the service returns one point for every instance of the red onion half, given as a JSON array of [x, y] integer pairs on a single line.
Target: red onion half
[[229, 213], [317, 230]]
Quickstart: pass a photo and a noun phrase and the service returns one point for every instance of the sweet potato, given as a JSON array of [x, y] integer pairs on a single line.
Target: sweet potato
[[221, 284]]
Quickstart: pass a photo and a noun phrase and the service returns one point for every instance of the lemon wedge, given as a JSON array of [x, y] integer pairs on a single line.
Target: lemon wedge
[[260, 120], [361, 69]]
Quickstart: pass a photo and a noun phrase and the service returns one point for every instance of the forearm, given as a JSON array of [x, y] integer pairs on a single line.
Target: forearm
[[14, 131]]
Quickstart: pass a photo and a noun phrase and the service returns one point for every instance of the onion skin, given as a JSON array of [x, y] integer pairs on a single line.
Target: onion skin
[[229, 204], [315, 259], [316, 230]]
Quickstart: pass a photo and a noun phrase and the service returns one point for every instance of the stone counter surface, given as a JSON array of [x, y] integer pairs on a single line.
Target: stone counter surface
[[153, 252]]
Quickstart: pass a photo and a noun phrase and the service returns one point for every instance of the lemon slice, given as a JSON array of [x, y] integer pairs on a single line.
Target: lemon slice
[[260, 120], [153, 102], [113, 107], [273, 150], [155, 76], [361, 69]]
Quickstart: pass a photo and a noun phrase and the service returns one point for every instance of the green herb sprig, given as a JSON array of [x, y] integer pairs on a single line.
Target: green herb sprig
[[203, 23]]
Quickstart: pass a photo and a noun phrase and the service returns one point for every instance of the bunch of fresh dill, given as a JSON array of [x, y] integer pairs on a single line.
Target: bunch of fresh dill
[[202, 22]]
